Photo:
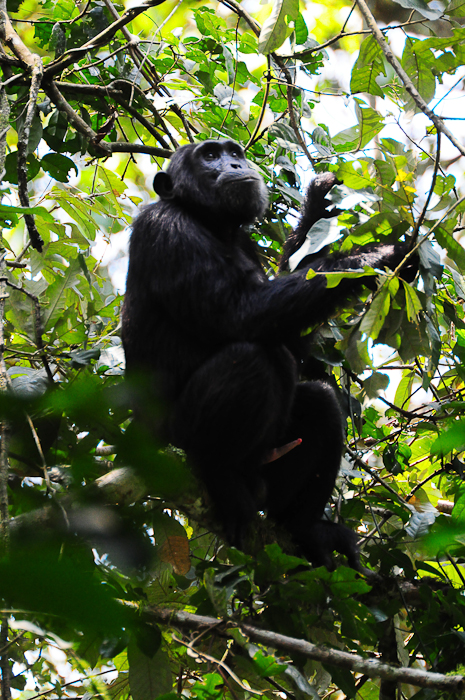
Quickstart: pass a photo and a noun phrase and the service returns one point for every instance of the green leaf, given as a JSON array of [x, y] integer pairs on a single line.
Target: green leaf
[[335, 278], [373, 320], [35, 134], [248, 43], [454, 250], [58, 166], [356, 352], [356, 177], [46, 581], [421, 7], [368, 66], [404, 389], [79, 209], [56, 298], [322, 142], [266, 665], [453, 438], [375, 384], [11, 167], [6, 212], [148, 677], [301, 30], [419, 66], [275, 30], [413, 302]]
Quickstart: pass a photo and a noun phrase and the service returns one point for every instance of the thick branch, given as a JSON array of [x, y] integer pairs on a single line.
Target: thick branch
[[409, 86], [370, 667], [105, 91], [34, 63], [4, 428], [4, 468], [123, 147], [105, 147], [23, 141], [78, 122]]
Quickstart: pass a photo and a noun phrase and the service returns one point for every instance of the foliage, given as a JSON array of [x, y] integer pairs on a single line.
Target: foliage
[[101, 530]]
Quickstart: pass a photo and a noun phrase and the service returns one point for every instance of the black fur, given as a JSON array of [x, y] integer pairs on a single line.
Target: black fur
[[211, 333]]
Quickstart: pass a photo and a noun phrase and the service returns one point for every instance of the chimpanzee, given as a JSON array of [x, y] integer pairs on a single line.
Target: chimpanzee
[[211, 333]]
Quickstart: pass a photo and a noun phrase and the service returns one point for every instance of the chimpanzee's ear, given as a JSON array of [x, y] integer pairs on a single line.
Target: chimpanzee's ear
[[163, 185]]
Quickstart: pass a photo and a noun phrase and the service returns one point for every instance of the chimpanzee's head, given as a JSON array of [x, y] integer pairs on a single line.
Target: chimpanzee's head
[[213, 179]]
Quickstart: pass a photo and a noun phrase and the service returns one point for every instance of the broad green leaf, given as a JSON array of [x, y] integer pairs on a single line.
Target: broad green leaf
[[375, 384], [43, 580], [444, 184], [386, 172], [356, 352], [56, 298], [368, 66], [404, 389], [322, 142], [266, 665], [6, 210], [248, 43], [420, 6], [413, 302], [355, 177], [335, 278], [148, 677], [430, 259], [275, 29], [454, 249], [370, 121], [450, 439], [58, 166], [419, 66], [11, 167], [301, 31], [373, 320], [78, 209], [393, 286]]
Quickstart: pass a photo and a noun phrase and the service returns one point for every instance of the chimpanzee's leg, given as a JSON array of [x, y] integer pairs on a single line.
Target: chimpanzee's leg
[[226, 419], [300, 484]]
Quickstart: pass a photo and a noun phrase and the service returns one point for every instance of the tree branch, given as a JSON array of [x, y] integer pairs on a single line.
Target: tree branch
[[369, 666], [123, 147], [23, 142], [33, 63], [4, 469], [106, 148]]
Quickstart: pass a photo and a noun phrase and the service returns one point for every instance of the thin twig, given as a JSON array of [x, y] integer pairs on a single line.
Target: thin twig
[[430, 193], [218, 662], [251, 141]]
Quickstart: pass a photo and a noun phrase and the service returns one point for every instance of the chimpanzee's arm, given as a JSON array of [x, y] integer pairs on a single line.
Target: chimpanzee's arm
[[314, 208], [211, 289]]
